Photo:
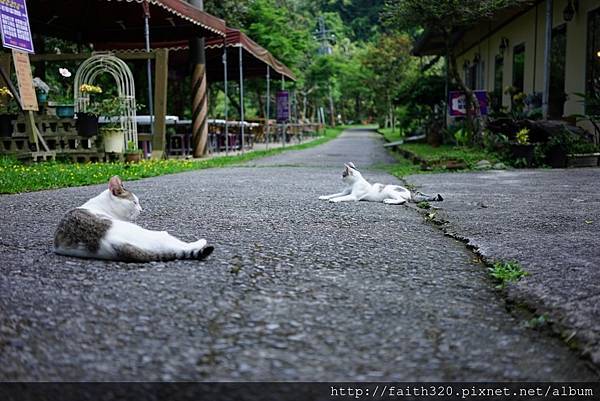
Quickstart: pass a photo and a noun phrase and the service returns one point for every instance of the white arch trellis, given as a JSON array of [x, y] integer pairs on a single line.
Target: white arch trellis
[[97, 65]]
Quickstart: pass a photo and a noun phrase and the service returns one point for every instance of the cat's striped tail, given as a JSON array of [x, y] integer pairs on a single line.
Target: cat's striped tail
[[131, 253]]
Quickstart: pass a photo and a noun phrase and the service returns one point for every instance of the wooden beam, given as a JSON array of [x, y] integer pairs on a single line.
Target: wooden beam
[[32, 130], [161, 69], [82, 56]]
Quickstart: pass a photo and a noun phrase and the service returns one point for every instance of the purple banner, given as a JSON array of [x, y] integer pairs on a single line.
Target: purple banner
[[14, 24], [457, 103], [283, 106]]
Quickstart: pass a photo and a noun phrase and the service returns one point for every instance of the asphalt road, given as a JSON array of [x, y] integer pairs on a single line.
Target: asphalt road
[[297, 288], [548, 221]]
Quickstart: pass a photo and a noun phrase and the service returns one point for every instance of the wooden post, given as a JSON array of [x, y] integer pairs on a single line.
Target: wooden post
[[160, 103]]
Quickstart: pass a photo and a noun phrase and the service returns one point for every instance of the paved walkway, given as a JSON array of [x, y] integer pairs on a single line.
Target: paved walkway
[[549, 221], [297, 289]]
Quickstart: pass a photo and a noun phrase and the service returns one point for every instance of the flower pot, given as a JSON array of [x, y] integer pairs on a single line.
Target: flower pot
[[42, 97], [133, 157], [65, 110], [583, 160], [114, 139], [523, 152], [87, 124], [6, 125]]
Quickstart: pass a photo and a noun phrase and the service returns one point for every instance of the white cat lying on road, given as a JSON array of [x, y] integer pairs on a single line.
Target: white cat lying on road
[[102, 228], [359, 189]]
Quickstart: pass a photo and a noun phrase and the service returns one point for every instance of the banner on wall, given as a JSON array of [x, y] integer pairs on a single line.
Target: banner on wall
[[457, 103], [283, 106]]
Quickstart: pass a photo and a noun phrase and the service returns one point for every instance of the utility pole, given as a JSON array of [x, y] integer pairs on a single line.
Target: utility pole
[[325, 36], [199, 91]]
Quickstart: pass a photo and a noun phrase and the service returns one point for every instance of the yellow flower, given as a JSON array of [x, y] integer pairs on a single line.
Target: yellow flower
[[4, 91], [87, 88]]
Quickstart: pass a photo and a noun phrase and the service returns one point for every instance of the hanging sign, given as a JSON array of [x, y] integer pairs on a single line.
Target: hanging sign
[[14, 25], [457, 103], [25, 80], [283, 106]]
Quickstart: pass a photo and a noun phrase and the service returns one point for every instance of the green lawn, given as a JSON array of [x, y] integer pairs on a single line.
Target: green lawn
[[448, 152], [436, 157], [391, 136], [16, 177]]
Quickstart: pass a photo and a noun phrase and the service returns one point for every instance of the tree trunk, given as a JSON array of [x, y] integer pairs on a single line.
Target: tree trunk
[[473, 111]]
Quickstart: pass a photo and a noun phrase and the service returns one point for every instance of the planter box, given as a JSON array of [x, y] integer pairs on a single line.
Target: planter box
[[583, 160], [133, 157], [523, 151], [65, 110]]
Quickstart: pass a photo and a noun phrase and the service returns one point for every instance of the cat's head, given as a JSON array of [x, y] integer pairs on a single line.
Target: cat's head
[[123, 203], [350, 173]]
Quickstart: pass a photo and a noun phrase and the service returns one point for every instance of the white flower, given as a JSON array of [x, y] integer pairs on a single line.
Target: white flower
[[64, 72]]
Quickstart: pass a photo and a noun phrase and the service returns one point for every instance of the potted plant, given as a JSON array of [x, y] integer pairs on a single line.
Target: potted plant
[[132, 153], [111, 109], [41, 90], [8, 112], [63, 103], [521, 149], [87, 121]]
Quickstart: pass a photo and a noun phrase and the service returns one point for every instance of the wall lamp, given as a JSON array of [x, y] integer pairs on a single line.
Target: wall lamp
[[570, 10]]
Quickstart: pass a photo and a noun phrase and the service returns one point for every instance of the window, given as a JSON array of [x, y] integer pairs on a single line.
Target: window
[[498, 77], [592, 82], [519, 67], [481, 75], [558, 48]]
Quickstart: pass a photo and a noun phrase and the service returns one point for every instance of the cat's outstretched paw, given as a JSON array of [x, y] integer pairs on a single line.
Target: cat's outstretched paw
[[201, 243], [394, 202], [324, 197]]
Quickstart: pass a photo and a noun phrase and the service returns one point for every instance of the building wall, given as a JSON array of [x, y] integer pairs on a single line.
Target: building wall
[[529, 28]]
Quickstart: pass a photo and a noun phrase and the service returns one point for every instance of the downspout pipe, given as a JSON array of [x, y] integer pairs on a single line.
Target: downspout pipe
[[547, 50]]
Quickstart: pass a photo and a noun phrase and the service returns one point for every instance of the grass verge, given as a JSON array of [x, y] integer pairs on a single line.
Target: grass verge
[[16, 177], [391, 136], [444, 153], [436, 159]]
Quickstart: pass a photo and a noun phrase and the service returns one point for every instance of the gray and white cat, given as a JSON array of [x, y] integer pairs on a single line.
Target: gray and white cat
[[102, 228], [359, 189]]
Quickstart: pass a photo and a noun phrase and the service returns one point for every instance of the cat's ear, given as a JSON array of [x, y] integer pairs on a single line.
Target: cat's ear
[[115, 185], [348, 168], [352, 165]]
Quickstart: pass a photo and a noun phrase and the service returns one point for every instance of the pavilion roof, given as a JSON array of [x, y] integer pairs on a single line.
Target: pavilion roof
[[101, 21], [255, 58]]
